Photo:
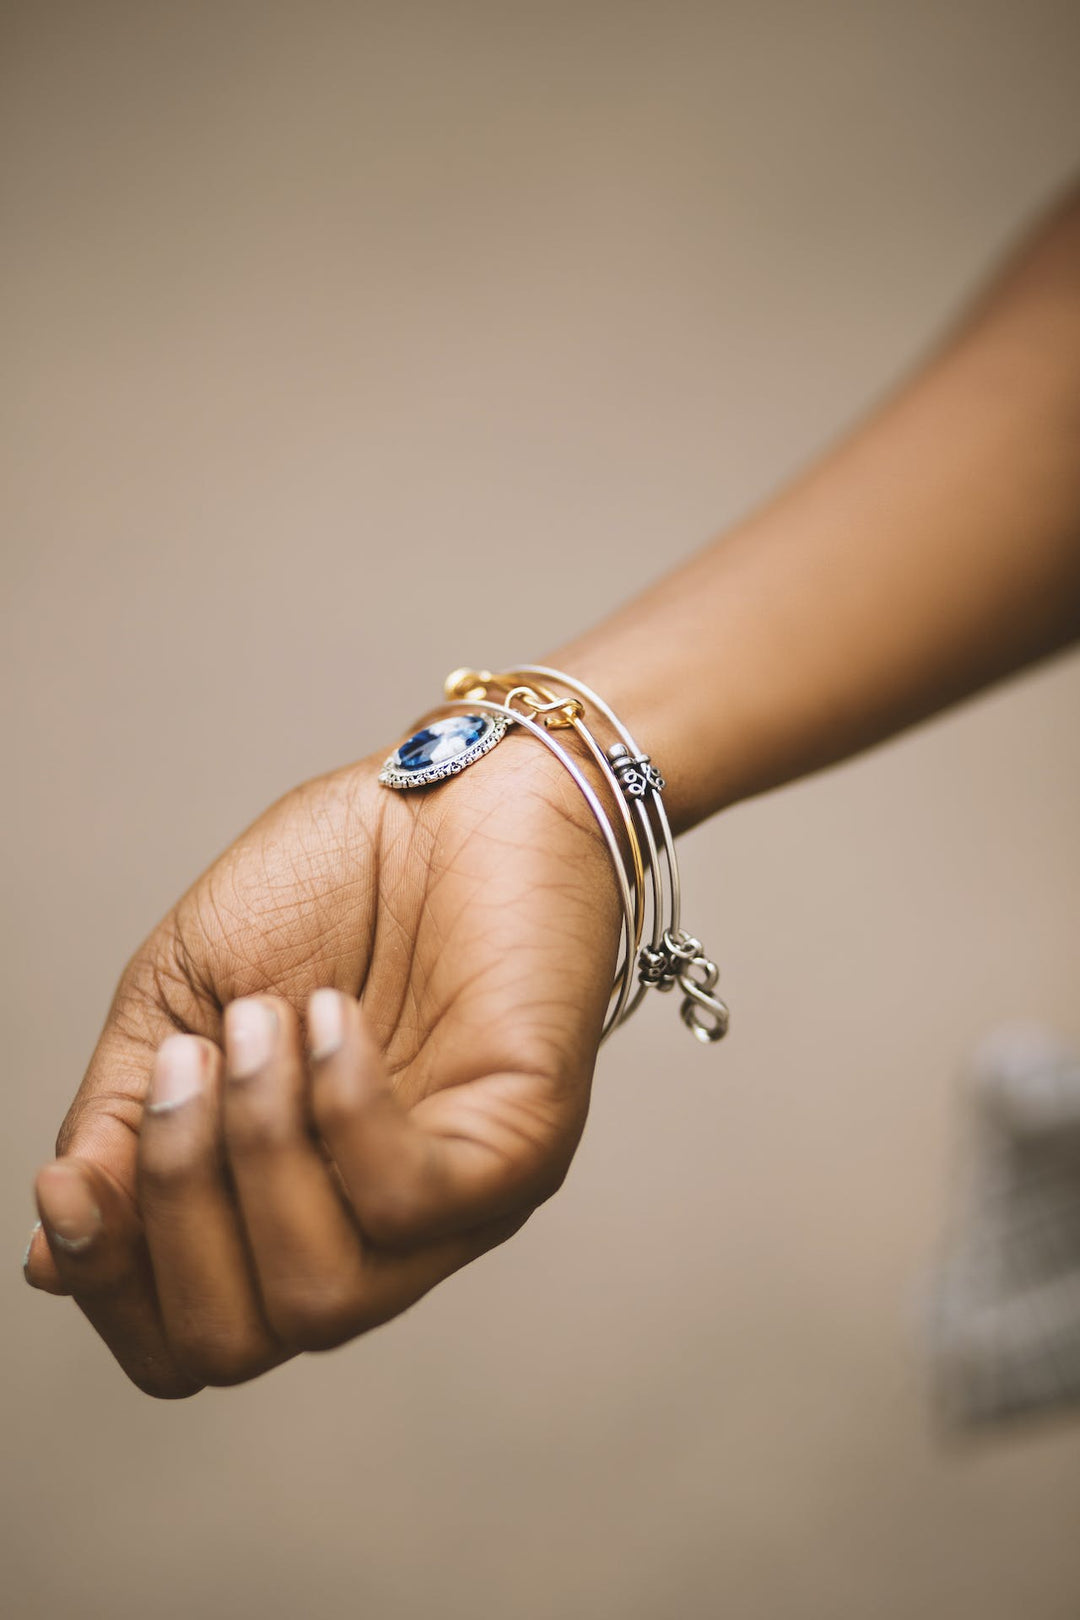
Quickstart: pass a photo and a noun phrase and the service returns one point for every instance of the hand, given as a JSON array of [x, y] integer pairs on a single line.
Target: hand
[[283, 1206]]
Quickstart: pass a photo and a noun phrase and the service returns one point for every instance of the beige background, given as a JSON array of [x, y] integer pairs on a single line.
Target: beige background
[[344, 343]]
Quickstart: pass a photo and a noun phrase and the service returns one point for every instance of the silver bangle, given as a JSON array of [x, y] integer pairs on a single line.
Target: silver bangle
[[479, 709]]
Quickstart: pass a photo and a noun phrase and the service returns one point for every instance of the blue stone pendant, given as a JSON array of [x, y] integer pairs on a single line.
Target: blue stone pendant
[[442, 749]]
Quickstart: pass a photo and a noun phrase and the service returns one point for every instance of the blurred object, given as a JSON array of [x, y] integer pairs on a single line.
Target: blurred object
[[1005, 1323]]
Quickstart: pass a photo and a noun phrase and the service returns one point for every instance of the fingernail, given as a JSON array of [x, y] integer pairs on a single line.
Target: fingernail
[[71, 1216], [250, 1027], [326, 1023], [30, 1244], [178, 1073]]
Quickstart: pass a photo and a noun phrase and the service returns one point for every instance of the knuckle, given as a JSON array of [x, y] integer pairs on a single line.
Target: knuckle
[[221, 1358], [333, 1106], [316, 1315], [255, 1123], [389, 1213], [166, 1165]]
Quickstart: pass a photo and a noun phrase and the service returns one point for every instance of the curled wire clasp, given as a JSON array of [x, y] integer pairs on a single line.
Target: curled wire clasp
[[683, 962], [702, 1012]]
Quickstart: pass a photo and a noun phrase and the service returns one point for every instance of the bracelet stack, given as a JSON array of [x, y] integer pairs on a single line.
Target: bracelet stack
[[625, 796]]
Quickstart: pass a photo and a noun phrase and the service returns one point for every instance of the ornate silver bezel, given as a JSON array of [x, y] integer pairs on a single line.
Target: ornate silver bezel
[[393, 776]]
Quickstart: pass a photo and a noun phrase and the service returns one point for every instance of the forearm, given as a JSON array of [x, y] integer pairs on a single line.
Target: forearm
[[936, 550]]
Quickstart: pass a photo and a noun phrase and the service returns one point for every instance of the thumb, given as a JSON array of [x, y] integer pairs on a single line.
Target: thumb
[[96, 1245], [103, 1123]]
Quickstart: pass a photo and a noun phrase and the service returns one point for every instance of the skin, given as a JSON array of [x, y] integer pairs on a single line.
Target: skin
[[292, 1207], [467, 933], [933, 551]]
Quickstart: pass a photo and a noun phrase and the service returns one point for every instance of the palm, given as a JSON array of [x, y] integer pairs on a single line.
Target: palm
[[477, 919]]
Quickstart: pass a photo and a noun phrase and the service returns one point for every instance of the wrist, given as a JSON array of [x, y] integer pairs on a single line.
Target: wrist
[[668, 708], [624, 792]]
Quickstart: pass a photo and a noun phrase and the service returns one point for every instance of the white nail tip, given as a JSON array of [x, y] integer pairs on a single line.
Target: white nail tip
[[168, 1105], [30, 1243], [73, 1245], [251, 1029], [178, 1075], [326, 1023]]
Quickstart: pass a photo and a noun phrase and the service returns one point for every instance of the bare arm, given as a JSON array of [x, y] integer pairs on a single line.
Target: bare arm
[[193, 1215], [934, 551]]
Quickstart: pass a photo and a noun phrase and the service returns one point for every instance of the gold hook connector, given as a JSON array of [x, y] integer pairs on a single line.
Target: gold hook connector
[[462, 684], [557, 713]]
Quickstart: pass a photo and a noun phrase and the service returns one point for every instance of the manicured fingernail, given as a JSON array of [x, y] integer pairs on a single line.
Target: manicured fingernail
[[326, 1023], [70, 1215], [178, 1073], [250, 1029], [30, 1244]]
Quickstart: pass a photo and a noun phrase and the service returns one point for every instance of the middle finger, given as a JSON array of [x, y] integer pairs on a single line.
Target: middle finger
[[304, 1243]]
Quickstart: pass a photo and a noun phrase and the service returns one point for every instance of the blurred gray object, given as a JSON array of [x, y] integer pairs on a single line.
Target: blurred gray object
[[1005, 1318]]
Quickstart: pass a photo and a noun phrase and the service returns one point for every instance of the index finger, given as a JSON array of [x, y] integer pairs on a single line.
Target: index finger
[[97, 1246]]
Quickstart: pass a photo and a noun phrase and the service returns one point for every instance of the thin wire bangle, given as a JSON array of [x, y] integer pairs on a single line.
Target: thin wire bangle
[[624, 976], [679, 958]]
